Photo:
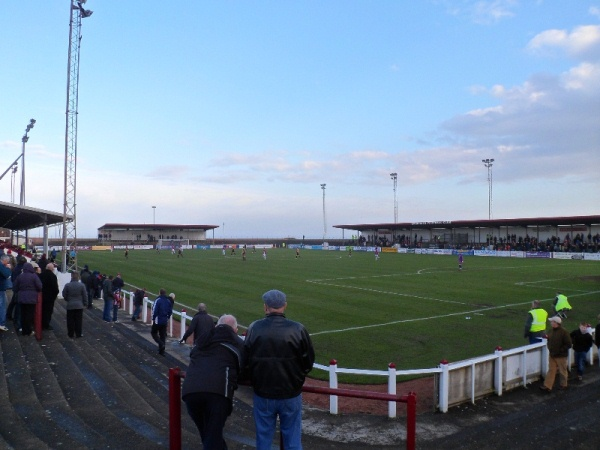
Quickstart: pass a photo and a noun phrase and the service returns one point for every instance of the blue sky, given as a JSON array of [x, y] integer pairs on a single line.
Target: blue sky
[[233, 113]]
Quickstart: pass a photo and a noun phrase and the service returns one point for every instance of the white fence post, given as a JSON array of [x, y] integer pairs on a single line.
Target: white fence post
[[333, 384], [183, 324], [545, 357], [145, 309], [498, 371], [444, 384], [392, 389]]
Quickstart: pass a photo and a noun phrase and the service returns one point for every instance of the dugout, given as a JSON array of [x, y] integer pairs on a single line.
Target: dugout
[[442, 234]]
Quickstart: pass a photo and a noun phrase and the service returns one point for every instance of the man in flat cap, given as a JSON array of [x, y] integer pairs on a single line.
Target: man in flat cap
[[279, 355]]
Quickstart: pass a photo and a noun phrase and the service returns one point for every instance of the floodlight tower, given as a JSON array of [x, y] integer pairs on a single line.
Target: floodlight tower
[[324, 221], [24, 140], [70, 228], [488, 163], [394, 177]]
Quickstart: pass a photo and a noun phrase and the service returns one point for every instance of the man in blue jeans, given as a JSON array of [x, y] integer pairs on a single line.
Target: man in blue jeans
[[279, 355]]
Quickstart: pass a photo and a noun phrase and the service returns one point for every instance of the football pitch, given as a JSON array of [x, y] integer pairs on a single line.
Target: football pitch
[[411, 310]]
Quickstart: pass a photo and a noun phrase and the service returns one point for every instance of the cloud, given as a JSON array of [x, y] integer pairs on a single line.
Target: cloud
[[582, 43], [482, 12]]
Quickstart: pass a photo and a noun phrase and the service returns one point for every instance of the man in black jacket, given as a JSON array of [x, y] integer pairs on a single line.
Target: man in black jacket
[[50, 291], [211, 379], [202, 326], [279, 355]]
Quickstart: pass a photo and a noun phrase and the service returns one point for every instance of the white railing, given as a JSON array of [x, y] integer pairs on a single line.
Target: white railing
[[457, 382]]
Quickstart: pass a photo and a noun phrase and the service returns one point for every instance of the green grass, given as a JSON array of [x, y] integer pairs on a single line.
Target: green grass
[[412, 310]]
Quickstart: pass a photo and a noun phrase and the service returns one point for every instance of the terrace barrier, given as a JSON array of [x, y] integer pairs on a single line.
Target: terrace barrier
[[176, 375]]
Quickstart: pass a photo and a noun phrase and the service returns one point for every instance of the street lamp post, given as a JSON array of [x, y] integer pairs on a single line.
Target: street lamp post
[[24, 141], [324, 221], [488, 163]]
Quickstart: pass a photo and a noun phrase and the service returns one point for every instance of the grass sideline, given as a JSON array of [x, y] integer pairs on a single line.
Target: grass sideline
[[412, 310]]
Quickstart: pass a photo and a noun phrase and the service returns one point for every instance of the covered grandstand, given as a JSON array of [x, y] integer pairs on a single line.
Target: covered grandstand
[[583, 231]]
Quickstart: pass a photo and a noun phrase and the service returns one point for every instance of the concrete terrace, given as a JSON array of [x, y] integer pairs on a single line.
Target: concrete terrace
[[109, 390]]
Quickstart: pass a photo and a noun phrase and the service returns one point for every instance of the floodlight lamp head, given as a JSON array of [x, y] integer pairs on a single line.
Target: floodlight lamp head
[[86, 13], [32, 122], [25, 139]]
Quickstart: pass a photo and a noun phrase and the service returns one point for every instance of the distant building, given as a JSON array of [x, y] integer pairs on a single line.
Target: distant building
[[145, 233]]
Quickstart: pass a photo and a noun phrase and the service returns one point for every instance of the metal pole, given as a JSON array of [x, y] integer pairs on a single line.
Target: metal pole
[[154, 215], [394, 177], [489, 163], [324, 216]]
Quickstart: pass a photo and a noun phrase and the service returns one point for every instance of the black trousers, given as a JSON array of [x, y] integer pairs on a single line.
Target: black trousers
[[27, 316], [47, 310], [74, 322], [209, 412], [159, 334]]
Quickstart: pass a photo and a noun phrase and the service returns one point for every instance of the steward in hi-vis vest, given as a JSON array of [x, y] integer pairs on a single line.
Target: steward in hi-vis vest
[[535, 326], [561, 305]]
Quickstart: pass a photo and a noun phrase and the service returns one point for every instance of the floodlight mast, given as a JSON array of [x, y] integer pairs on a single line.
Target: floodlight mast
[[323, 185], [70, 227], [489, 163]]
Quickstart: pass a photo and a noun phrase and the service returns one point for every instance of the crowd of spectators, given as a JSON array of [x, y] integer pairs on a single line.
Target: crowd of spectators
[[578, 243]]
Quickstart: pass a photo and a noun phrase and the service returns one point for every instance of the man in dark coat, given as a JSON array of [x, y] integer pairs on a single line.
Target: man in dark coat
[[27, 286], [88, 281], [211, 380], [50, 291], [202, 326]]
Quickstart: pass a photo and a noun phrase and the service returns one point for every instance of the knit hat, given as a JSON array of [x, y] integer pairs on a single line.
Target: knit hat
[[556, 319]]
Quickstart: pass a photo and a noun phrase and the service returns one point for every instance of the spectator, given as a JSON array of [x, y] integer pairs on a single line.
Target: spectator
[[75, 294], [27, 285], [597, 333], [582, 342], [559, 343], [107, 294], [202, 326], [5, 280], [211, 380], [118, 283], [138, 302], [161, 312], [279, 355], [88, 281], [50, 291], [535, 325]]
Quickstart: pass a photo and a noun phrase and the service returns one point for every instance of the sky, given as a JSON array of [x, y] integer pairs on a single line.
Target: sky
[[234, 113]]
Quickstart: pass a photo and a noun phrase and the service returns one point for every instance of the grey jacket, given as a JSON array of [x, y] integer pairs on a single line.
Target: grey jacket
[[75, 294]]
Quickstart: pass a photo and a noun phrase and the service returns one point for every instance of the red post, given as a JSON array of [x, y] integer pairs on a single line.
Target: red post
[[174, 409], [411, 421], [38, 317]]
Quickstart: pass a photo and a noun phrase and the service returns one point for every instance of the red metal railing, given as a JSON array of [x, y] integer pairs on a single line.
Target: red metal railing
[[175, 376]]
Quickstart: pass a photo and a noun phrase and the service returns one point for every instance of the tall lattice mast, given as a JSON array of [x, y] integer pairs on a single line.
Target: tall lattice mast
[[70, 227]]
